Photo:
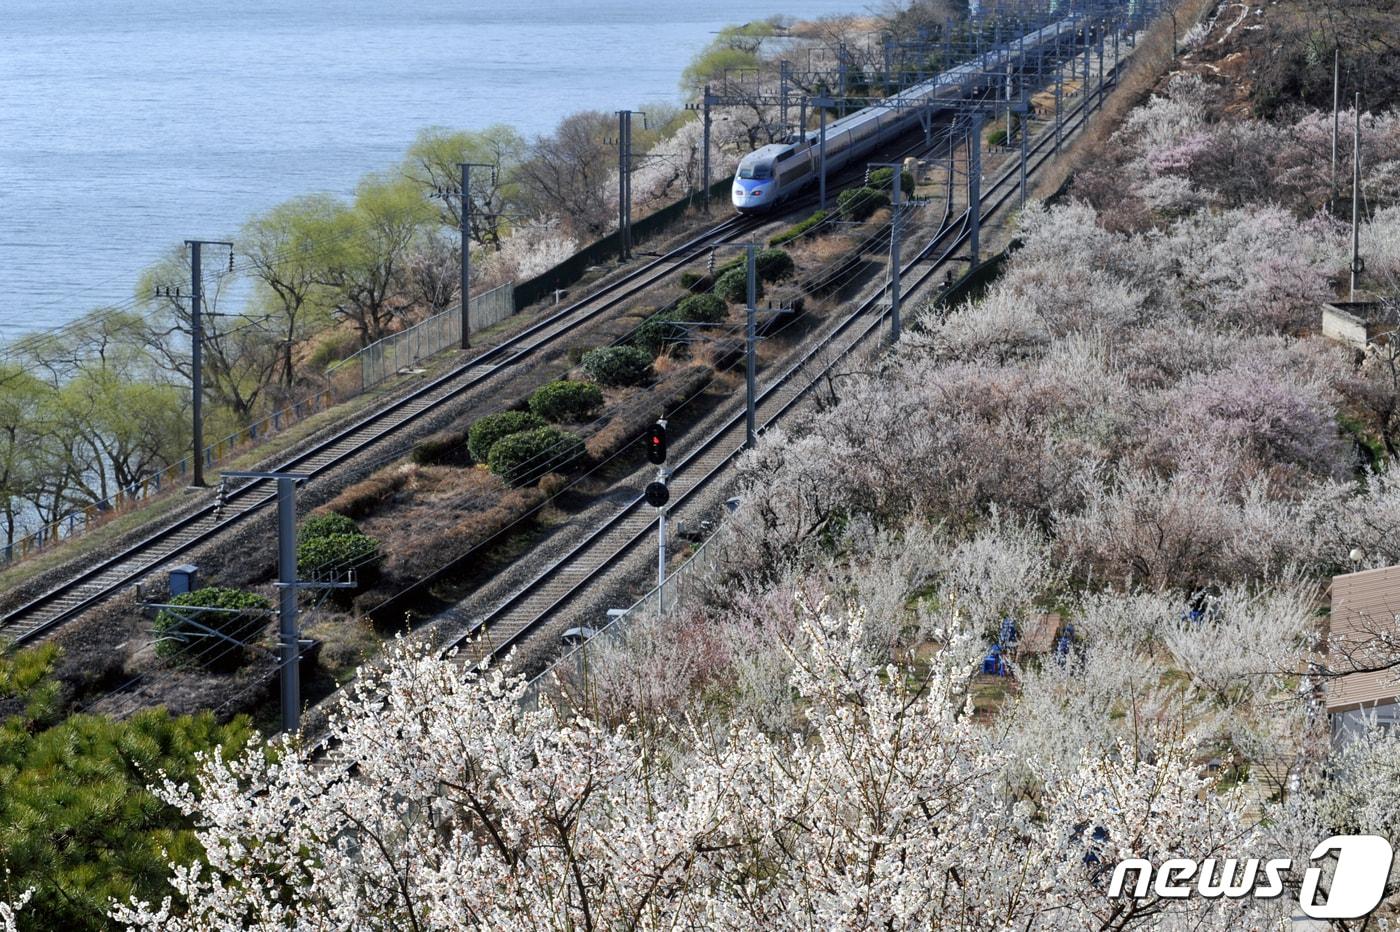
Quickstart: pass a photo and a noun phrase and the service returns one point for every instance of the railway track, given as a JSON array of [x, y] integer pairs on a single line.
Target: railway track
[[503, 627], [48, 611], [44, 613]]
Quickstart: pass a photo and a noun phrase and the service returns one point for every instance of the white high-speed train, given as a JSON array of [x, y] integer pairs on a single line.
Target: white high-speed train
[[773, 173]]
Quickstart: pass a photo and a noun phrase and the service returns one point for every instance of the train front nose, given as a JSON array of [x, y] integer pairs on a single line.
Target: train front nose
[[750, 195]]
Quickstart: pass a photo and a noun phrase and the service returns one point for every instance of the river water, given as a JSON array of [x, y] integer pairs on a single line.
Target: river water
[[127, 126]]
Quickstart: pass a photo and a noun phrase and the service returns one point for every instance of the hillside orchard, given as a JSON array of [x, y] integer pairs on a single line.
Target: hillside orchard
[[1135, 429]]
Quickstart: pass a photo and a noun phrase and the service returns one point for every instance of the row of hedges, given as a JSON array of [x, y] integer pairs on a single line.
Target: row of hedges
[[526, 456], [882, 179], [667, 328], [799, 229], [485, 433], [617, 366], [770, 265], [566, 400], [331, 545], [859, 204], [242, 616]]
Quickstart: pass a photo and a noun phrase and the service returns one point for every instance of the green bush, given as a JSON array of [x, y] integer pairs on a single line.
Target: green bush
[[773, 265], [328, 522], [617, 365], [706, 308], [793, 232], [689, 280], [733, 286], [858, 204], [486, 431], [338, 554], [882, 179], [997, 137], [524, 457], [566, 401], [659, 331], [730, 266], [177, 639], [78, 822]]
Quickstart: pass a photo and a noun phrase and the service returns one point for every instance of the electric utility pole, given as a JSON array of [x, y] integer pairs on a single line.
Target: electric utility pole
[[974, 187], [197, 349], [704, 108], [624, 180], [750, 339], [289, 636], [1336, 111], [894, 284], [465, 226], [1356, 265], [288, 585]]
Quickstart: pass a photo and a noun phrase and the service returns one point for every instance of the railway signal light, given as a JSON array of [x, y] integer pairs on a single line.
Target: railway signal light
[[657, 494], [656, 443]]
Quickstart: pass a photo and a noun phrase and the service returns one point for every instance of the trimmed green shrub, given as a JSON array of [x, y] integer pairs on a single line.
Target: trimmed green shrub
[[337, 554], [566, 401], [882, 179], [793, 232], [730, 266], [179, 640], [660, 331], [524, 457], [486, 431], [733, 286], [997, 137], [617, 365], [858, 204], [328, 522], [773, 265], [706, 308]]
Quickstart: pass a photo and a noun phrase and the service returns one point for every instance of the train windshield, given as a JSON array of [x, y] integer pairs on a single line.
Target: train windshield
[[759, 172]]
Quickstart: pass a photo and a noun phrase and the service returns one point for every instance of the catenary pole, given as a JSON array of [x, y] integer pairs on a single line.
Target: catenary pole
[[1336, 117], [197, 350], [1356, 199], [974, 187], [197, 359], [705, 160], [750, 339]]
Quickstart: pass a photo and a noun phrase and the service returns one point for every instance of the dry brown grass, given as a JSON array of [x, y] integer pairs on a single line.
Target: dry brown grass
[[821, 251], [439, 513], [627, 419], [369, 495]]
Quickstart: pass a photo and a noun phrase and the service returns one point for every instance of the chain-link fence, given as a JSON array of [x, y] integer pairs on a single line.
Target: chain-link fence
[[675, 591], [401, 351], [365, 369]]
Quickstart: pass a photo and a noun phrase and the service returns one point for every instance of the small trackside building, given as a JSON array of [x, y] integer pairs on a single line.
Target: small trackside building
[[1364, 636]]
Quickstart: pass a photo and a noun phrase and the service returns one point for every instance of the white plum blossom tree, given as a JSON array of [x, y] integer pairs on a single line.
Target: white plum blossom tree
[[442, 803]]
